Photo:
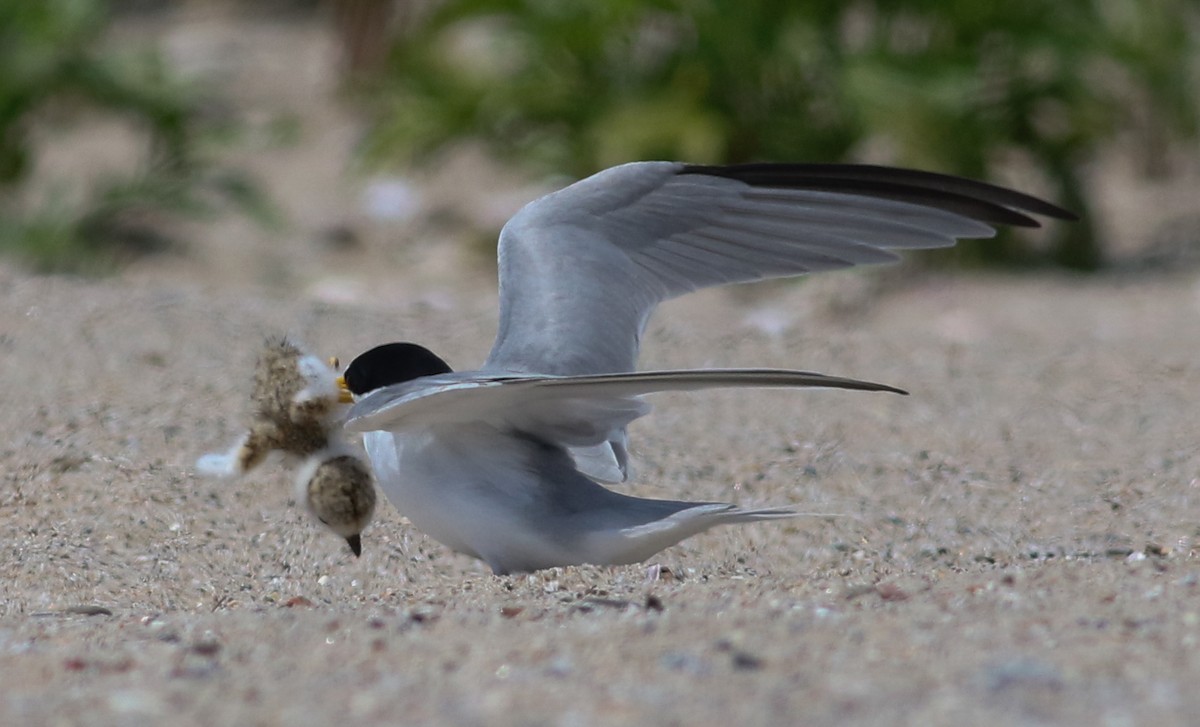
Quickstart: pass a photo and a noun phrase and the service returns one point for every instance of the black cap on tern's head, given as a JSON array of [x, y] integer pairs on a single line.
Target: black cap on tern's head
[[391, 363]]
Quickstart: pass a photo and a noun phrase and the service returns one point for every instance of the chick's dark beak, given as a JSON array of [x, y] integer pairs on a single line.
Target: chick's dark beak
[[355, 545]]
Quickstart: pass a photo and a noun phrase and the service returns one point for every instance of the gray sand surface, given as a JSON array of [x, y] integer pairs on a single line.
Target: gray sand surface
[[1013, 543]]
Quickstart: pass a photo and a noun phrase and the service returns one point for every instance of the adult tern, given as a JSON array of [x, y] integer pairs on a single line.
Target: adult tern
[[502, 463]]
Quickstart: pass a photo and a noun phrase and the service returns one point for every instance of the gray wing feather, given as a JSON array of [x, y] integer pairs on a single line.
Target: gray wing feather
[[575, 411], [586, 415], [582, 269]]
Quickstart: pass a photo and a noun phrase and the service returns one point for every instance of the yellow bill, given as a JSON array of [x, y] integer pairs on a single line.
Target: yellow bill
[[344, 395]]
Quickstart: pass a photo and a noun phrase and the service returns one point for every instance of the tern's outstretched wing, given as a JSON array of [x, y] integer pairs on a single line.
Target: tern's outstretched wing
[[582, 269]]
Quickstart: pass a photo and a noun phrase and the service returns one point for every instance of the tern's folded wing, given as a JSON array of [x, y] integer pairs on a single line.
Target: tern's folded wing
[[575, 411]]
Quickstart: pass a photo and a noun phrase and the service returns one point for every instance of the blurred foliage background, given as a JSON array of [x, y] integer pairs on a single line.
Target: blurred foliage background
[[55, 67], [998, 91], [1025, 93]]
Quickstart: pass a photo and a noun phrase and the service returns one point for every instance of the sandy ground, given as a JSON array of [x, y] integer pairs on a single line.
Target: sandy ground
[[1015, 543]]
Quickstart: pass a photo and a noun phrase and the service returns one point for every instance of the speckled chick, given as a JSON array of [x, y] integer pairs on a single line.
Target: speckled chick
[[297, 411], [295, 397], [296, 406], [337, 490]]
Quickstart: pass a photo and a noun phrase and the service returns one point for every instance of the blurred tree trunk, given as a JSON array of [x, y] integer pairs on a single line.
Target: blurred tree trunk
[[1076, 245], [364, 28]]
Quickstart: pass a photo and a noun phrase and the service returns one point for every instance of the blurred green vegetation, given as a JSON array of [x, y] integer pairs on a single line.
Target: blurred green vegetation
[[958, 86], [54, 67]]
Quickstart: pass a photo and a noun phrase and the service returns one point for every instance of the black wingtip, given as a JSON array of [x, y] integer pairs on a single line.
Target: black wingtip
[[355, 542], [858, 385], [978, 200], [872, 386]]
